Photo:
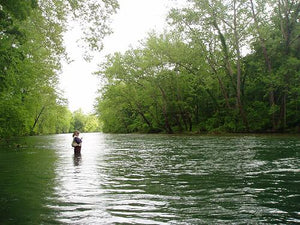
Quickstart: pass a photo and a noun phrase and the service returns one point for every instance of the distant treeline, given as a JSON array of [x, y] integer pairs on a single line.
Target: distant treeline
[[31, 52], [220, 66]]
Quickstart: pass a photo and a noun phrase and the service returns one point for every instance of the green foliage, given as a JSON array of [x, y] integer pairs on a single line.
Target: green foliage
[[92, 124], [84, 122], [31, 49], [20, 9], [79, 120], [198, 77]]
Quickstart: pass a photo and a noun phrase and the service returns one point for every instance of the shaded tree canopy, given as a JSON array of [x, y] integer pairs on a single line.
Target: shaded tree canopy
[[228, 66], [31, 49]]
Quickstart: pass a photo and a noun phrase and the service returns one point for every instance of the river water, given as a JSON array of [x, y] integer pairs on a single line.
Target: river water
[[151, 179]]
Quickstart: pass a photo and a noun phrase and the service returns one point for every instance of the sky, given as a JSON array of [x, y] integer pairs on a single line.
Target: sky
[[133, 21]]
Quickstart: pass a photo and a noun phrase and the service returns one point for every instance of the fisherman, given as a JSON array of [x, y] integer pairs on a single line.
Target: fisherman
[[76, 143]]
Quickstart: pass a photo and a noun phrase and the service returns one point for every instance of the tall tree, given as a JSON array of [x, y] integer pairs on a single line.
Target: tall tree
[[258, 16], [288, 14], [220, 28], [31, 47]]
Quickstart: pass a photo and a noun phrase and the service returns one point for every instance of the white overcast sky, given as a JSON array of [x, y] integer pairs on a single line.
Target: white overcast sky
[[134, 20]]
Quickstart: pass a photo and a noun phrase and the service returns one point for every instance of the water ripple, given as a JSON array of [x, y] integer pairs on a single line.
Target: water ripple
[[162, 179]]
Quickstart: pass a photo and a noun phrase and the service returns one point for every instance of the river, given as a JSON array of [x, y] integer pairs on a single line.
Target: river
[[151, 179]]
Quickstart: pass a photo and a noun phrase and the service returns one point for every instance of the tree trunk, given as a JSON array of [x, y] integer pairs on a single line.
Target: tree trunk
[[239, 73], [287, 25], [223, 89], [37, 119], [165, 113], [227, 64], [268, 64]]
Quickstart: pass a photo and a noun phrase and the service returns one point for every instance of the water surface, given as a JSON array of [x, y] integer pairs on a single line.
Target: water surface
[[151, 179]]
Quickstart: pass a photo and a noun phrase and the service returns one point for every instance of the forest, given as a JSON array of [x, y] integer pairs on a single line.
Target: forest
[[31, 56], [219, 66]]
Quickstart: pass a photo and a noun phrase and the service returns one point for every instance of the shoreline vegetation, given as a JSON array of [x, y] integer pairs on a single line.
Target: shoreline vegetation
[[233, 71], [219, 67], [32, 52], [17, 145], [185, 133]]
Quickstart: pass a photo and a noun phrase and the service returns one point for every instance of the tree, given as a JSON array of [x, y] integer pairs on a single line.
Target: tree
[[146, 91], [92, 124], [79, 120], [223, 66], [31, 47], [220, 29]]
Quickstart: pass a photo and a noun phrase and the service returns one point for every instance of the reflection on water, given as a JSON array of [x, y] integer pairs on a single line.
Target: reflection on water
[[77, 159], [26, 180], [152, 179]]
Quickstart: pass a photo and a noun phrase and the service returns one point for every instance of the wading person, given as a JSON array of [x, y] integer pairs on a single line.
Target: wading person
[[76, 143]]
